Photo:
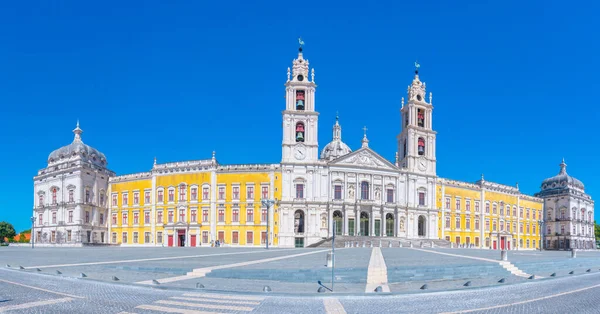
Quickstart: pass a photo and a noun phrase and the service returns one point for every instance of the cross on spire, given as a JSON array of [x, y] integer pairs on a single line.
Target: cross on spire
[[365, 130]]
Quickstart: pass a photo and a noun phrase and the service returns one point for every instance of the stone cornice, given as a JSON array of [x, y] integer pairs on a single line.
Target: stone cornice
[[131, 177], [248, 167]]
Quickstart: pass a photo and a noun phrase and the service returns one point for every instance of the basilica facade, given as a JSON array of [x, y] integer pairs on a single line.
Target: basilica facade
[[314, 192]]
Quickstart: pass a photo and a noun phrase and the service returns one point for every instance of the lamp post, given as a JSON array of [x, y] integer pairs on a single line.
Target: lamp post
[[32, 230], [541, 226], [267, 203]]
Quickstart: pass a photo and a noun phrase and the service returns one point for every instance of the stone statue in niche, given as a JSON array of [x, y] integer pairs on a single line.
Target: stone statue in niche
[[323, 222], [402, 224], [351, 191], [377, 193]]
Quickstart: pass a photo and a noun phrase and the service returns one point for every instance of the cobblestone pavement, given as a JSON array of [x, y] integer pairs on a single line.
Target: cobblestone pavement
[[24, 292]]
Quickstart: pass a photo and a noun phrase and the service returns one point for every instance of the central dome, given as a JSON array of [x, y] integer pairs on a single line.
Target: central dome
[[78, 148], [562, 179], [336, 148]]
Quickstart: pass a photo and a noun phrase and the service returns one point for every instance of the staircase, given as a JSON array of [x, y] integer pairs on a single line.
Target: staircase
[[340, 242]]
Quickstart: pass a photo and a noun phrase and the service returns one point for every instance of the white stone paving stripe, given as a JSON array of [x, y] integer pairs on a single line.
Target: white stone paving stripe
[[201, 272], [207, 306], [377, 272], [525, 301], [215, 300], [42, 289], [171, 310], [33, 304], [333, 306], [224, 296], [153, 259]]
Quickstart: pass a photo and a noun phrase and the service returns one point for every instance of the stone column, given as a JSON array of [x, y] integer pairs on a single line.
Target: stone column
[[345, 215]]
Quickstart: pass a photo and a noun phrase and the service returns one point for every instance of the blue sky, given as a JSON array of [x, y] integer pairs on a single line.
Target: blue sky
[[513, 83]]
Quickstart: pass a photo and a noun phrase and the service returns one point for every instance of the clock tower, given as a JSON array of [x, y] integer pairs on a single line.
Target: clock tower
[[300, 120], [416, 142]]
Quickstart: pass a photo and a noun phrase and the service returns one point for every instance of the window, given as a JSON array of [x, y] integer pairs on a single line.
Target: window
[[53, 236], [421, 198], [40, 220], [135, 237], [337, 192], [88, 198], [457, 204], [250, 192], [421, 146], [146, 237], [114, 199], [101, 219], [487, 225], [147, 197], [234, 237], [70, 216], [390, 195], [136, 198], [249, 237], [160, 196], [533, 228], [521, 212], [420, 117], [221, 236], [263, 237], [114, 238], [124, 199], [221, 215], [487, 208], [249, 215], [514, 228], [171, 195], [235, 215], [299, 132], [41, 200], [194, 193], [300, 100], [87, 216], [501, 225], [182, 193], [495, 209], [364, 190], [457, 223], [501, 209], [447, 222], [468, 205], [299, 190], [159, 237], [521, 228], [205, 193], [494, 225], [114, 220], [263, 216], [533, 212], [476, 224], [53, 217], [476, 206], [468, 223], [147, 218], [170, 217], [514, 211], [527, 228], [182, 215], [447, 203], [102, 198], [71, 196], [54, 196], [265, 192], [124, 237], [527, 213], [159, 217], [221, 192], [193, 215], [136, 218], [204, 236], [235, 191], [205, 215]]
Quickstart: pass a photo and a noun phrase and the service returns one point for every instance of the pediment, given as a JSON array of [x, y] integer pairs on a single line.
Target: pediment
[[364, 158]]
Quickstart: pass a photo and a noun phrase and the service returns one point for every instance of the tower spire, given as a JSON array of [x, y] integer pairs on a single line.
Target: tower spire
[[337, 129], [563, 167], [77, 131], [365, 140]]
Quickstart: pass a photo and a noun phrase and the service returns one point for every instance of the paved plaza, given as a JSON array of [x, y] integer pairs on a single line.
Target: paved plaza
[[149, 280]]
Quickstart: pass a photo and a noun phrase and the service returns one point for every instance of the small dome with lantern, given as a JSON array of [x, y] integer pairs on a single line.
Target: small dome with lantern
[[78, 149], [562, 180], [336, 148]]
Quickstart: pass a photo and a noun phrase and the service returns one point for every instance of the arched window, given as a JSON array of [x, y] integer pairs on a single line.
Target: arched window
[[364, 190], [421, 146], [299, 221], [53, 195], [421, 117], [300, 132], [300, 100]]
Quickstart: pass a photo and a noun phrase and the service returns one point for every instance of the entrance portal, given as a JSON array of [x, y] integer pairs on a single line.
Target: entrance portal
[[389, 225], [421, 226], [337, 217], [364, 224], [181, 237]]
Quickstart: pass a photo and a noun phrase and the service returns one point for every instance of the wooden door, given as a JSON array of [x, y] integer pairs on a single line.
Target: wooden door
[[170, 240], [192, 240]]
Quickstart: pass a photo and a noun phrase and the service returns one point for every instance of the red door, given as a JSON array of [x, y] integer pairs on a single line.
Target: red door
[[170, 240], [494, 244], [193, 240], [502, 243], [508, 244]]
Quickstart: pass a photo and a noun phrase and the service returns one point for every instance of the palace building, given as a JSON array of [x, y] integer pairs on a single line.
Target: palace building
[[316, 193]]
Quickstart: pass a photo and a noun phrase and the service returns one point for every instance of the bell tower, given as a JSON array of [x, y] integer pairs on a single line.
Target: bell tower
[[300, 120], [416, 141]]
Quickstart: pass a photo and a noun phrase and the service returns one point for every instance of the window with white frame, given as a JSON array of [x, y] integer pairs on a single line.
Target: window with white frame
[[54, 217], [235, 215], [299, 190], [205, 215], [114, 200], [205, 193], [234, 237], [88, 197], [487, 208], [263, 216], [477, 206], [447, 203], [170, 216], [70, 216], [457, 222], [146, 237], [182, 193], [124, 199], [147, 218], [235, 192], [159, 237], [494, 225], [160, 196], [457, 204], [182, 215], [221, 213], [136, 218], [71, 196], [265, 192], [337, 192], [136, 198], [87, 216], [159, 217], [114, 219], [135, 237], [476, 224], [124, 218], [194, 193], [193, 215], [447, 222], [250, 192], [101, 218], [249, 214], [468, 205], [422, 198], [124, 237], [171, 195], [468, 223], [147, 197], [221, 193]]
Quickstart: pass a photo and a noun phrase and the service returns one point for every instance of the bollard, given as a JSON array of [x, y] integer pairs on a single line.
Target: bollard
[[432, 244], [379, 243], [329, 259], [504, 255], [411, 245], [421, 245], [371, 243], [451, 245], [390, 244], [399, 244], [573, 253], [364, 244]]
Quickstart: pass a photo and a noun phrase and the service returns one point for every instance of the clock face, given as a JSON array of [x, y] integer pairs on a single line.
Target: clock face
[[300, 152], [300, 77], [422, 164]]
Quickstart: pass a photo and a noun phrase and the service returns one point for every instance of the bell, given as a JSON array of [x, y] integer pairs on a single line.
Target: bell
[[300, 137]]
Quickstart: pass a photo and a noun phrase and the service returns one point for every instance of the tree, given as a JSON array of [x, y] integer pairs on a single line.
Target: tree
[[597, 231], [6, 231]]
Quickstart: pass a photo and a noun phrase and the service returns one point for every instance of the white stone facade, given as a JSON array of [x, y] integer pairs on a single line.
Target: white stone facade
[[71, 196], [361, 191]]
